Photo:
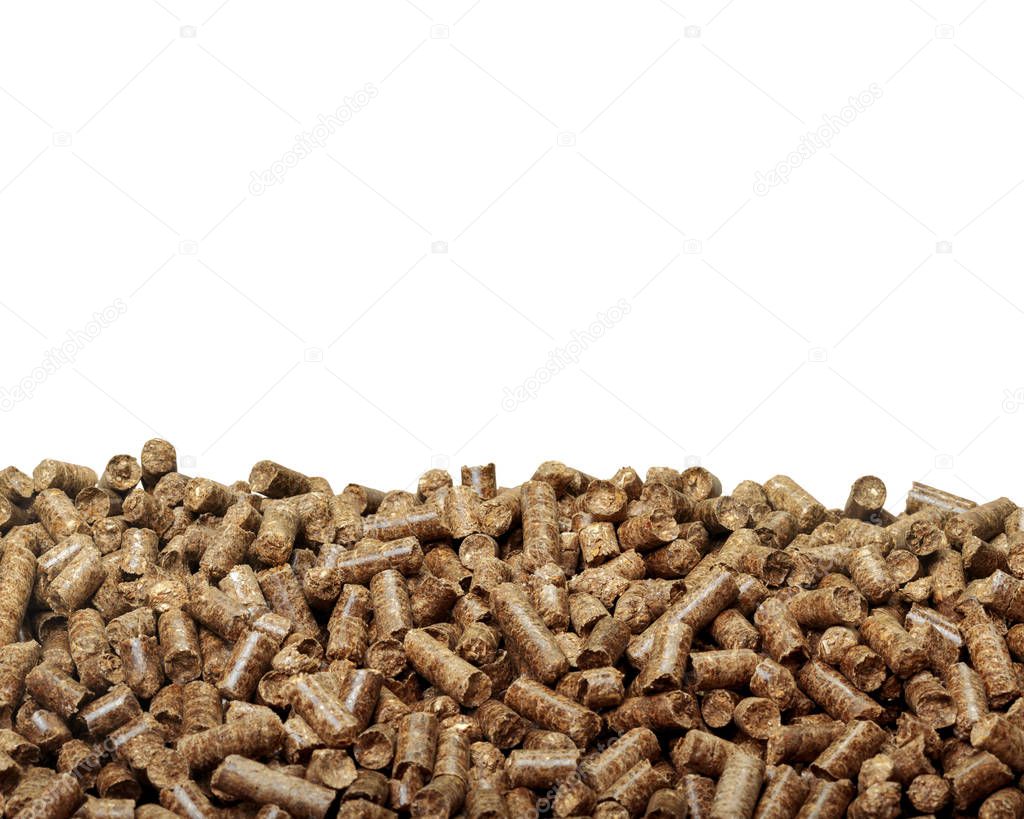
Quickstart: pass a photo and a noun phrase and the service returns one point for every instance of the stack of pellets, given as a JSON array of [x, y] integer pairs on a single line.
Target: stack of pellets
[[568, 647]]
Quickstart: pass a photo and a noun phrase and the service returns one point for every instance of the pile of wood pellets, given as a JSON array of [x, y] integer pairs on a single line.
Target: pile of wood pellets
[[571, 646]]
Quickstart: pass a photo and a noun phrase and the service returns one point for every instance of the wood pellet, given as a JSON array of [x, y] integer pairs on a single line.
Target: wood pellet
[[568, 646]]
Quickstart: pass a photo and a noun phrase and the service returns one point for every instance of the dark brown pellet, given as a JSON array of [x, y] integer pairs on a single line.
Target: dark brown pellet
[[526, 634], [464, 649], [535, 702], [259, 734], [250, 780]]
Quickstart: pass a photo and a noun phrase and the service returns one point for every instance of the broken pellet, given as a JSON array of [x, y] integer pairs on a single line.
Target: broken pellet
[[775, 682]]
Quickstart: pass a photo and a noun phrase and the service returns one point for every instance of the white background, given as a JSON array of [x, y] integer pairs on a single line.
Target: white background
[[864, 316]]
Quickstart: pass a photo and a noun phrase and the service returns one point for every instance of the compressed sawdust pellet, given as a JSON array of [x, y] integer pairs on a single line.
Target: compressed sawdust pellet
[[526, 634], [570, 645], [738, 786]]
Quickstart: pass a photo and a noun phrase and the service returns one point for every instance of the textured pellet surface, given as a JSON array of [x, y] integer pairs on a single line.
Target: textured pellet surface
[[634, 645]]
